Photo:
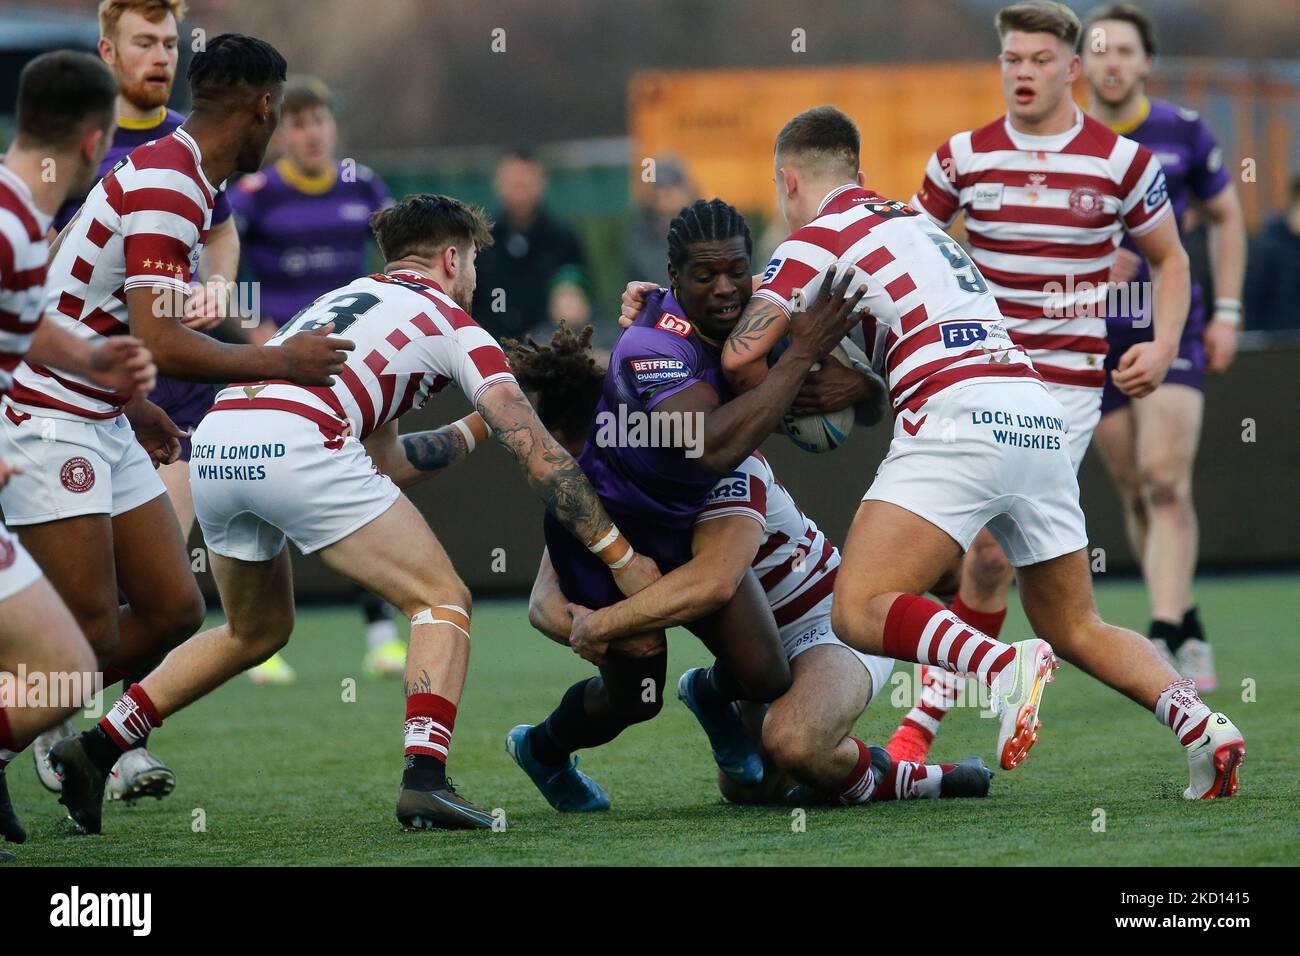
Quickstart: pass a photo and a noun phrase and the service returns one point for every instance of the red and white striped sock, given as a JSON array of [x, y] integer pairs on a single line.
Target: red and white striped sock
[[912, 781], [918, 629], [1181, 709], [859, 785], [429, 722], [131, 719], [940, 688]]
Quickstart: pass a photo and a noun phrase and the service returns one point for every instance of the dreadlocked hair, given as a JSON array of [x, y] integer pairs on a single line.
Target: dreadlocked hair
[[563, 375], [233, 59], [705, 221]]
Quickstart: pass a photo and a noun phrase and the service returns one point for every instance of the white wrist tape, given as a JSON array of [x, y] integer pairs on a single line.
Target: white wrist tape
[[610, 537], [465, 433], [623, 561]]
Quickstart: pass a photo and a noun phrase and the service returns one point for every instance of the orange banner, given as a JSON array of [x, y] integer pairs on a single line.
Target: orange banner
[[722, 123]]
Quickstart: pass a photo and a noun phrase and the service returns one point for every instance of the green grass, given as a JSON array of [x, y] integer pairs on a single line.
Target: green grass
[[297, 776]]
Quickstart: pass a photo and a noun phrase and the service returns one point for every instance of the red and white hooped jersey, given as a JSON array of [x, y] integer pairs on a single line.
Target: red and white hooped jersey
[[1044, 216], [23, 255], [796, 563], [411, 340], [942, 324], [143, 225]]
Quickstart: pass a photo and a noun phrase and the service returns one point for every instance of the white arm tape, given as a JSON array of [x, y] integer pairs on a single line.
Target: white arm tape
[[465, 433]]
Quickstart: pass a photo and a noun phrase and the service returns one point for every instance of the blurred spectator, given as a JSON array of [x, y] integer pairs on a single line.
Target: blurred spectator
[[660, 202], [534, 275], [1273, 271], [305, 221]]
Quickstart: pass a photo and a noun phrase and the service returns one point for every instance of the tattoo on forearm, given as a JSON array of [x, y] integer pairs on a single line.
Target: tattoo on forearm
[[421, 685], [753, 325], [432, 450], [551, 471]]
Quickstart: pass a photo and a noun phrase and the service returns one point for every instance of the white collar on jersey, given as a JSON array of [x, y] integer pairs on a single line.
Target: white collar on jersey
[[19, 185], [193, 147], [1046, 144], [838, 190]]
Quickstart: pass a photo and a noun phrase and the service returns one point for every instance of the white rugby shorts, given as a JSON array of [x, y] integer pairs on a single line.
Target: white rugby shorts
[[72, 467], [259, 475], [992, 454]]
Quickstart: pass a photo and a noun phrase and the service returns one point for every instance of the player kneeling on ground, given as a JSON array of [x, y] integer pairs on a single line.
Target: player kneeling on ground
[[273, 459], [979, 441], [749, 521]]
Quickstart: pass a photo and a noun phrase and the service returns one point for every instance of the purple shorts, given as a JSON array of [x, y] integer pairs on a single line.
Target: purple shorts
[[1188, 368], [185, 403], [585, 580]]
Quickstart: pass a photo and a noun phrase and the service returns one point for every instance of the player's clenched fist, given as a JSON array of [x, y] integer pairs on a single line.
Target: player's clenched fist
[[633, 300], [1142, 368], [123, 364], [818, 329], [315, 357]]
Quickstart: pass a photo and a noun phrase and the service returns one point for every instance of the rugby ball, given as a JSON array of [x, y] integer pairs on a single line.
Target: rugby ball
[[824, 431]]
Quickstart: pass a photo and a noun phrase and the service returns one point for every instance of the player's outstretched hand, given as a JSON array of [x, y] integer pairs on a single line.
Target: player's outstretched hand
[[155, 431], [1141, 369], [633, 301], [816, 329], [315, 357], [123, 363], [637, 574], [6, 470], [582, 637]]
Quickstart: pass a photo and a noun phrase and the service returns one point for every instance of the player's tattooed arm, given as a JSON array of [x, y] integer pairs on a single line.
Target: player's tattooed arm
[[759, 329], [550, 470]]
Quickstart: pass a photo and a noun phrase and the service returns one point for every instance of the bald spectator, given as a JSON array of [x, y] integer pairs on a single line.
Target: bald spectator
[[534, 275]]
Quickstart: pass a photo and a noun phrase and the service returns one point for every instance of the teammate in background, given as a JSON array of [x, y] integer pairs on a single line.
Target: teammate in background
[[64, 114], [1149, 444], [667, 367], [305, 227], [749, 520], [1047, 194], [978, 441], [89, 505], [323, 466], [138, 39]]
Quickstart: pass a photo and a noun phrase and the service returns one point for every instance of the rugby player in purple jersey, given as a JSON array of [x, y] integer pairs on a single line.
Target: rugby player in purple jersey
[[666, 371], [1149, 444]]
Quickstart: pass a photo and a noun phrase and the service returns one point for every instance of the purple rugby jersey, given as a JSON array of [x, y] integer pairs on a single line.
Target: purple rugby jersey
[[653, 494], [1193, 167], [304, 237]]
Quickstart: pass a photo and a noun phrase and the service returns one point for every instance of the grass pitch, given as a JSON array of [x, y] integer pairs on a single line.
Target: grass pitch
[[297, 775]]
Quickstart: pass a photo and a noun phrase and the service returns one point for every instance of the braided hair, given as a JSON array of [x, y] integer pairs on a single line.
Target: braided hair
[[233, 59], [705, 221], [564, 376]]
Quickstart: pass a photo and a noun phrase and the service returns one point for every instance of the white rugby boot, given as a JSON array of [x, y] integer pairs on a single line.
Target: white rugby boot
[[1214, 760], [1017, 695]]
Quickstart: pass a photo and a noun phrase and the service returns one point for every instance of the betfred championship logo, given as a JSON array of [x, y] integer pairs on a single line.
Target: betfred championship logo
[[77, 475]]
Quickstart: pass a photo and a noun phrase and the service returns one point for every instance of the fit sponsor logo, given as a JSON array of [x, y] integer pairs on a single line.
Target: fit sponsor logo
[[78, 909], [637, 429], [956, 335], [648, 371]]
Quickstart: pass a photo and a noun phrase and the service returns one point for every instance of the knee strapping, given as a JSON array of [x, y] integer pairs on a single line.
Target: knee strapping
[[450, 614]]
